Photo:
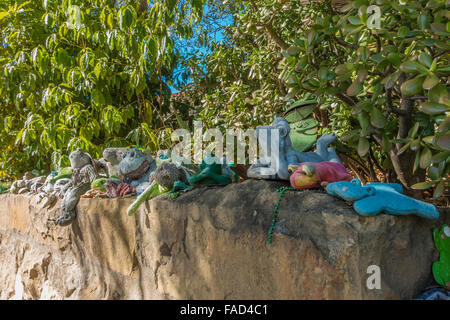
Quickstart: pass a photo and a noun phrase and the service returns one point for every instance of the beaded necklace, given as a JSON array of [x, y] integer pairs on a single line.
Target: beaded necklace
[[281, 190]]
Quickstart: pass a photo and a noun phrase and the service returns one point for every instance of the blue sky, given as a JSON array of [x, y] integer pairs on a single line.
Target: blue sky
[[188, 49]]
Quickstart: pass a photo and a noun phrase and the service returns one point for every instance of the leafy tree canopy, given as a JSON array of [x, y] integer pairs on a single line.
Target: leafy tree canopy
[[89, 74], [382, 88]]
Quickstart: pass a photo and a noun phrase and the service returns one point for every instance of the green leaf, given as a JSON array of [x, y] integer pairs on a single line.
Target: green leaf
[[181, 122], [439, 28], [148, 112], [433, 172], [377, 118], [412, 87], [137, 82], [416, 162], [386, 144], [49, 20], [62, 57], [98, 70], [440, 157], [3, 14], [433, 108], [323, 74], [344, 68], [361, 75], [439, 94], [430, 81], [292, 51], [445, 125], [422, 185], [394, 58], [97, 97], [444, 142], [363, 53], [415, 145], [363, 146], [311, 36], [354, 89], [428, 139], [354, 20], [439, 191], [126, 18], [363, 119], [425, 158], [390, 81], [425, 59], [413, 67], [85, 60], [402, 31], [110, 21], [422, 21]]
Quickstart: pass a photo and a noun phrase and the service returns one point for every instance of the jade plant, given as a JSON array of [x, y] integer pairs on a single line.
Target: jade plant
[[378, 69]]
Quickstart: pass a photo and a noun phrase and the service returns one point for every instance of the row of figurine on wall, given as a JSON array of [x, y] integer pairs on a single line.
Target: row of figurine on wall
[[133, 171], [126, 172]]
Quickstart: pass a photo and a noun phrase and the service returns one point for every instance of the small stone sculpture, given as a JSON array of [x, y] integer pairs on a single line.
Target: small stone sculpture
[[315, 174], [50, 190], [115, 188], [167, 173], [373, 198], [111, 159], [162, 180], [441, 268], [274, 165], [136, 166], [212, 172], [85, 171], [26, 184], [166, 156]]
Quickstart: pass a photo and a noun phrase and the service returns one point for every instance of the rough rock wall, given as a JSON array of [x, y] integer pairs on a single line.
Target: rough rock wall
[[211, 243]]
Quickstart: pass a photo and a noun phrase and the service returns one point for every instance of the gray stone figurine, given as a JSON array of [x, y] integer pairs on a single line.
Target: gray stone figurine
[[136, 166], [274, 165], [85, 171]]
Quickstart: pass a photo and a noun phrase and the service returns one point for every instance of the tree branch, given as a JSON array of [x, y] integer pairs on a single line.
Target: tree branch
[[275, 37], [378, 43], [349, 101], [143, 5]]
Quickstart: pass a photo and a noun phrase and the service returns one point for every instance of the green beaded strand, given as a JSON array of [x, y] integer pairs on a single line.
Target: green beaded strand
[[281, 190]]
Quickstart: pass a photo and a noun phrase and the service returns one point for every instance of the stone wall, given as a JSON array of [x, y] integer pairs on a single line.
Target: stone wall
[[211, 243]]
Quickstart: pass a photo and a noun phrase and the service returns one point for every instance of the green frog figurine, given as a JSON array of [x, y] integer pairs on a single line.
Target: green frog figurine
[[212, 172], [441, 268]]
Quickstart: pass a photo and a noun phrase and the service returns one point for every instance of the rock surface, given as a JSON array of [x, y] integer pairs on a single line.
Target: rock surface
[[211, 243]]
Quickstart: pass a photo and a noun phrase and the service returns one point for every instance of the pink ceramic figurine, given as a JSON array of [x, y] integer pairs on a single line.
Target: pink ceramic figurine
[[314, 174]]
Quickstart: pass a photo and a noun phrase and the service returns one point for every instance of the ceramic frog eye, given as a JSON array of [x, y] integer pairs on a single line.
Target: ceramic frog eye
[[132, 153], [292, 168], [447, 231], [370, 190], [308, 170]]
